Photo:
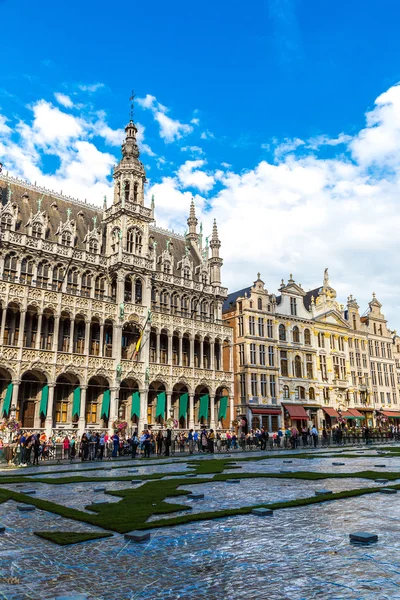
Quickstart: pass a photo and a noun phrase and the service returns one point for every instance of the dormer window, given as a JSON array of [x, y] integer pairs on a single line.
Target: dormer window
[[37, 230], [167, 267], [186, 273], [6, 222], [259, 303], [204, 278], [93, 246], [66, 238]]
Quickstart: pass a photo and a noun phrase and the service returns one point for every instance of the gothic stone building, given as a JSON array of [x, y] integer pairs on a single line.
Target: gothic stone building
[[104, 316], [301, 358]]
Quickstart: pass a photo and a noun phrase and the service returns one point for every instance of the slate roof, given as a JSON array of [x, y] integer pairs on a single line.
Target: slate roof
[[231, 299], [307, 297]]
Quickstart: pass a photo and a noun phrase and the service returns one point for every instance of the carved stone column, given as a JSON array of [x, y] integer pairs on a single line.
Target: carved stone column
[[191, 355], [168, 404], [231, 409], [202, 354], [82, 411], [212, 355], [143, 410], [39, 331], [71, 336], [212, 412], [49, 415], [101, 341], [21, 328], [87, 337], [191, 411], [180, 349], [169, 358], [158, 348], [3, 324]]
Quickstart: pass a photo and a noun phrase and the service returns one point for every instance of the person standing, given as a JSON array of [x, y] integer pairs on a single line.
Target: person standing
[[159, 441], [66, 446], [210, 440], [72, 449], [102, 443], [36, 448], [147, 444], [115, 445], [22, 450], [167, 442], [190, 441], [84, 447], [314, 434], [134, 444]]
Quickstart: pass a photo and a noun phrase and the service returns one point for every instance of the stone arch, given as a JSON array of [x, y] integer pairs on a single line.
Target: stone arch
[[66, 405], [156, 403], [6, 388], [129, 400], [201, 406], [32, 399], [222, 406], [98, 402], [180, 404]]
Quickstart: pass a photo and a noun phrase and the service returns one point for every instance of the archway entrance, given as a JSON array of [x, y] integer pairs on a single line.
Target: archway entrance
[[156, 404], [32, 399], [180, 405]]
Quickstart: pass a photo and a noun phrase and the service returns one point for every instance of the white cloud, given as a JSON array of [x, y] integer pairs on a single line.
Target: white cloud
[[91, 88], [195, 121], [170, 129], [207, 135], [64, 100], [189, 175]]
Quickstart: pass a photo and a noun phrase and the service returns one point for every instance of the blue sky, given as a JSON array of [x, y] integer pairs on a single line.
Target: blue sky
[[281, 118]]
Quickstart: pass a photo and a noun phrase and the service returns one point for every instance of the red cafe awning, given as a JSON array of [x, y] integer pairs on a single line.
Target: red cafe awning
[[266, 411], [331, 412], [391, 414], [356, 413], [296, 411]]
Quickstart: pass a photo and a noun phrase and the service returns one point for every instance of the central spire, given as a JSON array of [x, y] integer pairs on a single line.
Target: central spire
[[130, 148]]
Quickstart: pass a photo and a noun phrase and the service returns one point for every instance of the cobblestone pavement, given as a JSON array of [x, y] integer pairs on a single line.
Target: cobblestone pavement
[[299, 553]]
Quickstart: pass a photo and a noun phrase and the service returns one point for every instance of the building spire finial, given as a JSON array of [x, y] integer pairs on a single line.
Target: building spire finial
[[132, 100], [192, 222]]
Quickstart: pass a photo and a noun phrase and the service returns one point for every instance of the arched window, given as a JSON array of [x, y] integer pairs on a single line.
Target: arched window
[[86, 285], [286, 392], [135, 192], [26, 270], [164, 300], [185, 306], [297, 367], [58, 277], [10, 266], [311, 393], [282, 333], [321, 339], [6, 222], [204, 309], [66, 238], [100, 287], [138, 291], [186, 273], [259, 303], [93, 246], [300, 393], [134, 241], [127, 190], [174, 303], [167, 267], [72, 281], [193, 306], [307, 337], [204, 278], [42, 278], [296, 334], [37, 230], [115, 239]]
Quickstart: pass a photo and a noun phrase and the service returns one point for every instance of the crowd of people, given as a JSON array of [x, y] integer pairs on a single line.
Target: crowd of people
[[29, 448]]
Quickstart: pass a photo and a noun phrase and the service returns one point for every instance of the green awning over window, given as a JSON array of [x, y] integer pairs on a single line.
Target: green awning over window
[[105, 405], [223, 407], [203, 410], [161, 402], [183, 405], [135, 411], [43, 401], [7, 400], [76, 402]]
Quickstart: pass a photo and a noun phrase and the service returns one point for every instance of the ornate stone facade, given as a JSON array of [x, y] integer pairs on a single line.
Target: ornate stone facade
[[303, 357], [105, 316]]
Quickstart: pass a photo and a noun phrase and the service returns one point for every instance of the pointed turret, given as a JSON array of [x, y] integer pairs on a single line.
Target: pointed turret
[[129, 174], [215, 261], [192, 223]]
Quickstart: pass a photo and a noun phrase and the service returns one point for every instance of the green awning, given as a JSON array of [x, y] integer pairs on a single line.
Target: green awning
[[105, 405], [135, 404], [183, 405], [203, 410], [223, 407], [7, 400], [43, 401], [76, 402], [161, 402]]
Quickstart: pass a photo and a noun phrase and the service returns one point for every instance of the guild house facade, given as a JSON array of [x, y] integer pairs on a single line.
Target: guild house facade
[[302, 358], [106, 318]]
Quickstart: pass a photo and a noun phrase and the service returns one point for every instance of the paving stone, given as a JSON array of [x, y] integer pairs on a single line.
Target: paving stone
[[2, 528], [381, 480], [191, 475], [196, 496], [26, 507], [338, 464], [322, 492], [287, 461], [380, 466], [74, 597], [388, 491], [136, 481], [100, 489], [133, 471], [262, 512], [100, 502], [232, 480], [29, 492], [286, 471], [363, 537], [137, 536]]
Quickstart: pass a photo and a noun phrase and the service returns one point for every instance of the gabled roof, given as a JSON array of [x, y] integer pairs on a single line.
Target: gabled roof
[[308, 296], [231, 299]]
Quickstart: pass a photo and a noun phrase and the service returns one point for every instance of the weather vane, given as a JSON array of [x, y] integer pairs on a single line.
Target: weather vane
[[132, 99]]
